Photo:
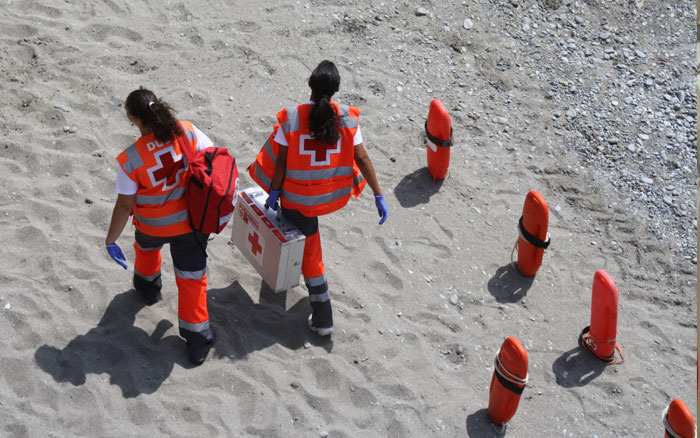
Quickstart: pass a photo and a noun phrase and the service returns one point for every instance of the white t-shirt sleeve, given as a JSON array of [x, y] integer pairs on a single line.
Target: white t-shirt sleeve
[[358, 136], [203, 141], [124, 184]]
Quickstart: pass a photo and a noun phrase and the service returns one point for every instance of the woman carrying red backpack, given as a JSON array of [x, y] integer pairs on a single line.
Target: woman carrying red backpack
[[151, 186]]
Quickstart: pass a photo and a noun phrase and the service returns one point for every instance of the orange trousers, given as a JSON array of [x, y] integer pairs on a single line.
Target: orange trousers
[[312, 268], [188, 252]]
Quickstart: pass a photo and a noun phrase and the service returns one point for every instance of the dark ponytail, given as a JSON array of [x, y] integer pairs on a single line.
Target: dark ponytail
[[323, 121], [155, 114]]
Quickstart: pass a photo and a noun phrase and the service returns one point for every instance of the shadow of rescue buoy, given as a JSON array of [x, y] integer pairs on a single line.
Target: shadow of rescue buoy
[[416, 188]]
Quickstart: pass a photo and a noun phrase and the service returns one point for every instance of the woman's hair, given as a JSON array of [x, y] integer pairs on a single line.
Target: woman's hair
[[154, 113], [323, 121]]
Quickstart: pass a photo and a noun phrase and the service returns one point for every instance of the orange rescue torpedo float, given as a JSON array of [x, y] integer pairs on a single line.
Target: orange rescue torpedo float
[[599, 338], [508, 381], [438, 129], [678, 421], [534, 238]]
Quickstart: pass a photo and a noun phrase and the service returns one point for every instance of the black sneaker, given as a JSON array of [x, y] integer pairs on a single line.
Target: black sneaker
[[198, 355], [149, 290], [321, 331], [150, 297]]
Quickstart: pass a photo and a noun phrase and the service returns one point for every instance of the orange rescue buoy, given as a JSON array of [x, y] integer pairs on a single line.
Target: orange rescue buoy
[[599, 338], [534, 238], [438, 129], [678, 421], [508, 381]]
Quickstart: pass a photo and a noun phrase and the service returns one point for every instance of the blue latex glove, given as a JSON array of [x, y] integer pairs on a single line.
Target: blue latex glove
[[381, 208], [117, 255], [271, 201]]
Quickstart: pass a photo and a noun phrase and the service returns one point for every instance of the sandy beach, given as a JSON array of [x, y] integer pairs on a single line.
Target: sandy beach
[[566, 98]]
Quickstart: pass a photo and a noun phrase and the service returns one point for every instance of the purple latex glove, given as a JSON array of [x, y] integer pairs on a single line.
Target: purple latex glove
[[381, 208], [271, 201], [117, 255]]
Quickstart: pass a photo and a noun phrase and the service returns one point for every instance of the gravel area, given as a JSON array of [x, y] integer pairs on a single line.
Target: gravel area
[[614, 79]]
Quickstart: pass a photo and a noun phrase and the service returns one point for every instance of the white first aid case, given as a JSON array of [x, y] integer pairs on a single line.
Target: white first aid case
[[272, 245]]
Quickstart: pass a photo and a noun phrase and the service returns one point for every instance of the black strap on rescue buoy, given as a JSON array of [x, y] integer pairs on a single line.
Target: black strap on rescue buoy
[[582, 342], [438, 141], [509, 380], [509, 385], [531, 239]]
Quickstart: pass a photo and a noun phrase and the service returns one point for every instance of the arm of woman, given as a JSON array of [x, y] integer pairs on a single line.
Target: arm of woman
[[280, 169], [277, 178], [120, 215], [365, 164]]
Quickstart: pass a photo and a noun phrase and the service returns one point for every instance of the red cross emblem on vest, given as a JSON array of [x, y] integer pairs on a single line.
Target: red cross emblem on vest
[[319, 151], [167, 170]]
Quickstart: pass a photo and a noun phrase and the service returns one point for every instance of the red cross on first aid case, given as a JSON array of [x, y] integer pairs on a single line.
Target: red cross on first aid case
[[255, 244], [273, 246]]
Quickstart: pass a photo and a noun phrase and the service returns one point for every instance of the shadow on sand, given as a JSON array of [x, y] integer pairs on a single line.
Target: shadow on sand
[[576, 367], [244, 326], [479, 426], [416, 188], [508, 285], [139, 362], [135, 361]]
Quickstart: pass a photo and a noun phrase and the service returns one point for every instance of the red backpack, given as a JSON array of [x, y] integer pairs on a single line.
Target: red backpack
[[212, 180]]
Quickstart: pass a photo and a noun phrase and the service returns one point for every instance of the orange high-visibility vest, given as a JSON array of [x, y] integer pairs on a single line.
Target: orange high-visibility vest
[[320, 177], [263, 168], [160, 208]]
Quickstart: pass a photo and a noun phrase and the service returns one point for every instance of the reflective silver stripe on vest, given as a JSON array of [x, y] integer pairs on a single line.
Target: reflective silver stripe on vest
[[310, 175], [262, 177], [197, 327], [345, 120], [190, 275], [224, 219], [315, 281], [270, 152], [160, 199], [134, 161], [148, 249], [357, 179], [148, 278], [318, 199], [319, 298], [292, 123], [164, 221], [191, 136]]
